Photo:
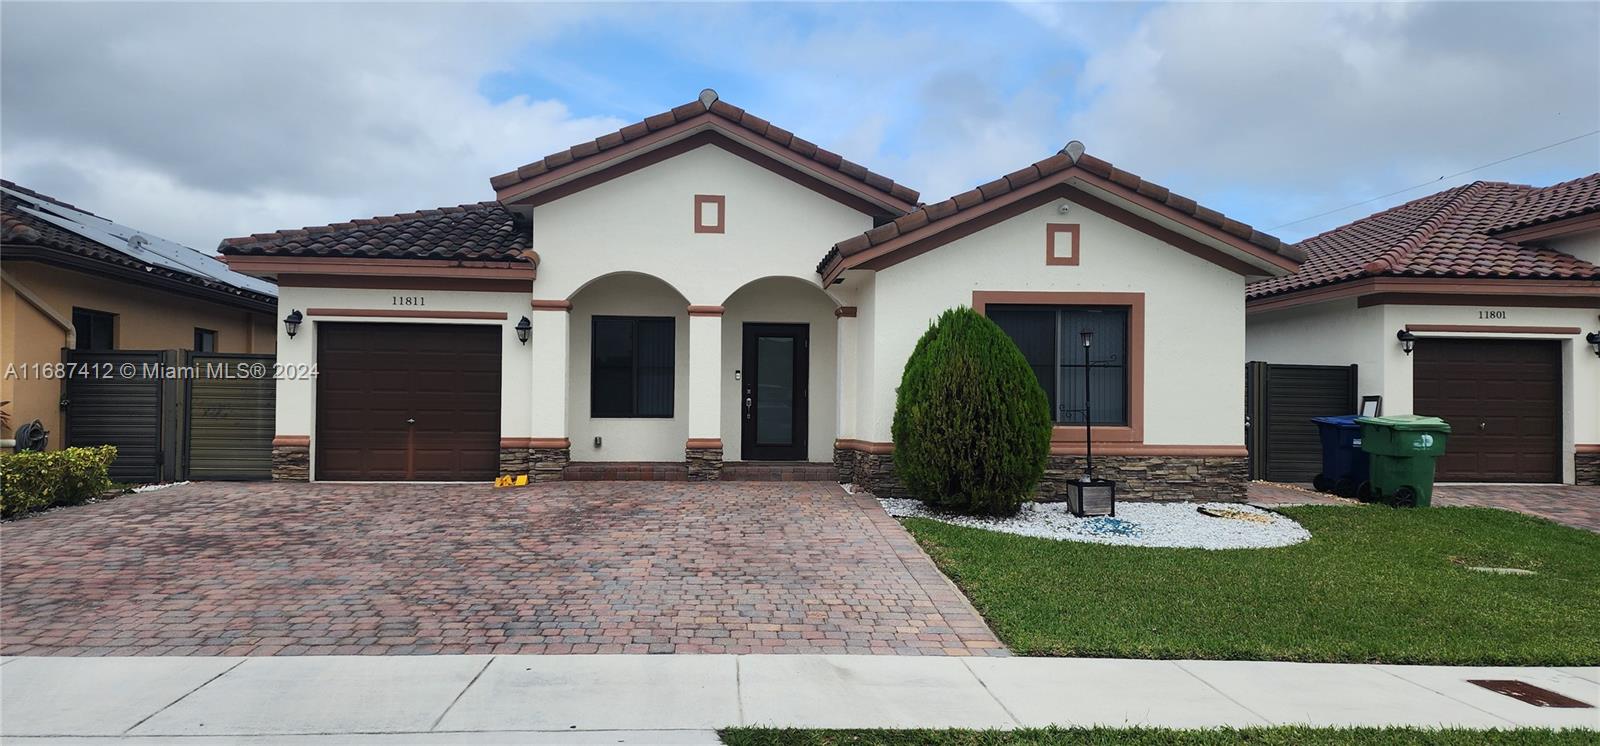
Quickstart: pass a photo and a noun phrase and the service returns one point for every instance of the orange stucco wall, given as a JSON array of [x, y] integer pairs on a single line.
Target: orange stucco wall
[[147, 319]]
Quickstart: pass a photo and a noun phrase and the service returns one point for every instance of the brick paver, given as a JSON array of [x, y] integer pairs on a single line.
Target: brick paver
[[575, 567], [1578, 507], [1574, 506]]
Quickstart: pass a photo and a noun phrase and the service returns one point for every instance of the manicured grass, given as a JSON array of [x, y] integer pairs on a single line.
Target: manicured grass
[[1286, 736], [1373, 584]]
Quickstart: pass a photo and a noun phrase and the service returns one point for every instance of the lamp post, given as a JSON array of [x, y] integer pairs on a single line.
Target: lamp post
[[1089, 496], [1088, 414]]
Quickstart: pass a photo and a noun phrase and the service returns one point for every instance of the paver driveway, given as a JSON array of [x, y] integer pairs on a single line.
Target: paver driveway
[[1575, 506], [574, 567]]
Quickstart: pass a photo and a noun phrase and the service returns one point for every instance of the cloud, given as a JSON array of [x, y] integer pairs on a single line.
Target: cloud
[[1284, 110], [199, 122], [202, 122]]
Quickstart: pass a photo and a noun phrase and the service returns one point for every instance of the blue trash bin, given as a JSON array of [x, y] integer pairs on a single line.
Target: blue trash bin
[[1344, 464]]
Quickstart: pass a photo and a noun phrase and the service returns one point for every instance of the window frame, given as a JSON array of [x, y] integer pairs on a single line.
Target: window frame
[[198, 335], [671, 325], [1068, 438], [91, 316]]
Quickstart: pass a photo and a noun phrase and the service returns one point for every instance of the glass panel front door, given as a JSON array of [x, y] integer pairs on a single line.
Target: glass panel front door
[[774, 394]]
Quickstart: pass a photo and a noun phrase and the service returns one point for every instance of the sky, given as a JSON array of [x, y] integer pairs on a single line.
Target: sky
[[198, 122]]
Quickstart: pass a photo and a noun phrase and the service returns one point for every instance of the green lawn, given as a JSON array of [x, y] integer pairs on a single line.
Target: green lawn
[[1372, 585], [1284, 736]]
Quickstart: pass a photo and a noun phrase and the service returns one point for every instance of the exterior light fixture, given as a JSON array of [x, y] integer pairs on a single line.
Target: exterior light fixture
[[1593, 338], [524, 330], [1407, 340], [291, 323]]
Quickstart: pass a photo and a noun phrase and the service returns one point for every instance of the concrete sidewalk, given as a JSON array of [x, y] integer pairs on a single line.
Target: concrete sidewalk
[[683, 698]]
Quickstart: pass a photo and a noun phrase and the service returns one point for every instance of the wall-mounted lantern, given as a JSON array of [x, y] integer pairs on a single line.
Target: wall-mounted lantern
[[524, 330], [1594, 340], [1407, 340], [291, 323]]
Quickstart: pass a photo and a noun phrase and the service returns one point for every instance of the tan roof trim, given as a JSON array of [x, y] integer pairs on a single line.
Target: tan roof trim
[[391, 313], [1409, 290], [1490, 329], [269, 266]]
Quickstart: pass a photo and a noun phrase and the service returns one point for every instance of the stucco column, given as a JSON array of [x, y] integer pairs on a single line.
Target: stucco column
[[703, 451], [847, 332], [548, 451]]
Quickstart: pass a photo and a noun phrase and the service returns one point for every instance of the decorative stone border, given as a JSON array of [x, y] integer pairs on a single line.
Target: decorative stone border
[[291, 463], [1586, 468], [1205, 478]]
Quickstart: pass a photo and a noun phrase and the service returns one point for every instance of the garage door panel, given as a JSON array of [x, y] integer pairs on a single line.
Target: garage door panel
[[1502, 399], [408, 401]]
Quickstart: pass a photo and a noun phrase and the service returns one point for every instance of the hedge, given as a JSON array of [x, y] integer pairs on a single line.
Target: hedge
[[34, 480], [971, 423]]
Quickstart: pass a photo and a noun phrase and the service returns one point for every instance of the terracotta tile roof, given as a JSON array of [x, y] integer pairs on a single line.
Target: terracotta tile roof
[[1441, 235], [23, 233], [708, 105], [485, 231], [1555, 202], [1053, 167]]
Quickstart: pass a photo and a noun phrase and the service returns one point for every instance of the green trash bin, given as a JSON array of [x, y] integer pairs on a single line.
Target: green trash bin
[[1402, 449]]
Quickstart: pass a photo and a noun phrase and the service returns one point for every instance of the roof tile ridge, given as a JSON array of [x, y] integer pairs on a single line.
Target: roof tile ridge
[[1400, 254], [403, 217]]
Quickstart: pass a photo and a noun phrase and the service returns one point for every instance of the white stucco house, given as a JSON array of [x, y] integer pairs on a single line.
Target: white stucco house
[[1479, 304], [704, 289]]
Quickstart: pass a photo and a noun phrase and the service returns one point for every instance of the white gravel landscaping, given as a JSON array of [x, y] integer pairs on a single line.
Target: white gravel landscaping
[[1135, 525]]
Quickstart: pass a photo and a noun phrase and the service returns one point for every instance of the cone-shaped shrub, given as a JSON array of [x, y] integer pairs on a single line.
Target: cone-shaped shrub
[[971, 423]]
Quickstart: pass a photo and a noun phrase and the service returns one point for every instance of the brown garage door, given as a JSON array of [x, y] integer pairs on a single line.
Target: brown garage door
[[408, 401], [1502, 399]]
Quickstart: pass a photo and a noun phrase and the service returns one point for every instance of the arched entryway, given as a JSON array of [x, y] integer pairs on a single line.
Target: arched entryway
[[627, 392], [779, 352]]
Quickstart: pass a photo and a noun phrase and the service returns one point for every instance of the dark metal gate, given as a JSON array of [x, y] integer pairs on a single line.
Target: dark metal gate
[[1280, 401], [121, 398], [230, 416]]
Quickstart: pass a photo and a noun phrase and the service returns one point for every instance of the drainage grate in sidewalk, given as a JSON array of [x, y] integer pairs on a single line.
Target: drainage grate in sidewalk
[[1537, 696]]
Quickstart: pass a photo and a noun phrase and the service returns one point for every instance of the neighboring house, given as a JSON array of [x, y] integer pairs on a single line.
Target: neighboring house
[[676, 311], [1499, 287], [75, 281]]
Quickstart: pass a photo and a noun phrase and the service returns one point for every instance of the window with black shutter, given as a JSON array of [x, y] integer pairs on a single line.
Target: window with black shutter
[[1049, 338], [631, 366]]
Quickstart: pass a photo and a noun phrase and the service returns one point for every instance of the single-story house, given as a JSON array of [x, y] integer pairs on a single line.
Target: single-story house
[[1479, 304], [583, 318], [75, 282]]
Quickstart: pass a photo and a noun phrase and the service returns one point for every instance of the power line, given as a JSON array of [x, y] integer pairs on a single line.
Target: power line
[[1435, 181]]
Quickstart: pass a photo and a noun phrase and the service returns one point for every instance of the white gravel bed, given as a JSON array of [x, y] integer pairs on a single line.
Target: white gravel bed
[[1135, 525]]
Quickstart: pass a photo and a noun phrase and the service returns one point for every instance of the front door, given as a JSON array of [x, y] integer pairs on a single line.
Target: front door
[[776, 364]]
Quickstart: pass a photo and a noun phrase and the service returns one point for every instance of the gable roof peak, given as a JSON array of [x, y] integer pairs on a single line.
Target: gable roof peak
[[1070, 163], [707, 111]]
